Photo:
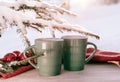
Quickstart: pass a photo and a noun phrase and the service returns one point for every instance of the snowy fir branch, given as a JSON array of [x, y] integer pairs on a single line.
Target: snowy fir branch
[[45, 16]]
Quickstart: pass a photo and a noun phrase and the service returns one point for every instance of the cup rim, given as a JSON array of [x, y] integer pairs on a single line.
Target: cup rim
[[74, 37], [49, 39]]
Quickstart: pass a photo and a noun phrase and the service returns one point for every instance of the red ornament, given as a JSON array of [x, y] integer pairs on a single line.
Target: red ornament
[[21, 56], [9, 57], [17, 53]]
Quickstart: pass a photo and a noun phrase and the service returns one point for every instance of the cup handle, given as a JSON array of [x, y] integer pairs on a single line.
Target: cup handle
[[93, 53], [24, 53]]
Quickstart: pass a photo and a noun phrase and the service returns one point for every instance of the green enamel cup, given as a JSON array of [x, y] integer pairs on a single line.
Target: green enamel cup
[[49, 63], [75, 52]]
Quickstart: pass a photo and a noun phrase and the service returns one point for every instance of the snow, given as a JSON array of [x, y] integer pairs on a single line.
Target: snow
[[102, 20]]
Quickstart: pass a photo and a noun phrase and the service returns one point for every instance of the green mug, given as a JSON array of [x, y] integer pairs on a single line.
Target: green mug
[[49, 63], [74, 57]]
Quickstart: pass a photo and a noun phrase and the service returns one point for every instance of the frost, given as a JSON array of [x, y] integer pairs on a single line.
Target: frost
[[46, 16]]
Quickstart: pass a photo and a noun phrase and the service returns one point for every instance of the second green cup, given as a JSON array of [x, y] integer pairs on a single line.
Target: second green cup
[[74, 57]]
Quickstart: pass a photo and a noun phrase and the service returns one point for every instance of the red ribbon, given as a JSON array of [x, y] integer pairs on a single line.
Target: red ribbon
[[103, 55]]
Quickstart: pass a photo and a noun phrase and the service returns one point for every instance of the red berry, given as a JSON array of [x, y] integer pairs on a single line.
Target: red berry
[[21, 56], [28, 54], [9, 57], [17, 53]]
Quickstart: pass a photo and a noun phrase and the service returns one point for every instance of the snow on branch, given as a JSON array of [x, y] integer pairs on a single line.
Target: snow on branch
[[46, 15], [19, 19], [22, 4]]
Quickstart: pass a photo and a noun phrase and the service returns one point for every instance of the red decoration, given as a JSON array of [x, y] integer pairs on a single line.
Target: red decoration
[[103, 55], [16, 55], [21, 56], [17, 71], [9, 57]]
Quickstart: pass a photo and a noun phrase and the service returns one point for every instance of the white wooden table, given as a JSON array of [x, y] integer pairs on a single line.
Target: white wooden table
[[91, 73]]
